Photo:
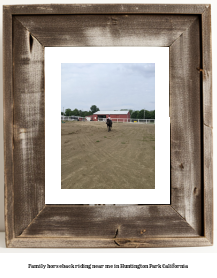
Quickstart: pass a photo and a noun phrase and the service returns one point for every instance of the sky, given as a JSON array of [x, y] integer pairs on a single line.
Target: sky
[[109, 86]]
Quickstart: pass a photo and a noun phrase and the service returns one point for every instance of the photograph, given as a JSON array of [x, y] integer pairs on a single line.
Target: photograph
[[81, 85], [108, 126]]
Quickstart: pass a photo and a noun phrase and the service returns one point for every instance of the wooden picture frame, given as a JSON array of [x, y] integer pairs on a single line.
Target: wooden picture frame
[[186, 30]]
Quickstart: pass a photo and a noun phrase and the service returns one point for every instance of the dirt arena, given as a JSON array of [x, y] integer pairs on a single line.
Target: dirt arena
[[93, 158]]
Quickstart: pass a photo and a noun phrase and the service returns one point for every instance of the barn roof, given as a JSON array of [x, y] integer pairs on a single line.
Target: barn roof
[[111, 112]]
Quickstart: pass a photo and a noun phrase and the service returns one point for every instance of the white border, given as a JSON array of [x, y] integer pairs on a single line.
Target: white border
[[54, 56]]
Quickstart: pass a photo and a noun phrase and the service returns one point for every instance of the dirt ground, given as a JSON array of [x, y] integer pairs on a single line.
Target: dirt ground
[[93, 158]]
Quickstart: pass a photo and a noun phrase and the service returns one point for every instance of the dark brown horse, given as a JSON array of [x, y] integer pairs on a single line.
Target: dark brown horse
[[109, 124]]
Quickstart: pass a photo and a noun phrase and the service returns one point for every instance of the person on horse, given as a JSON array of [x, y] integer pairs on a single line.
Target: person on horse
[[109, 122]]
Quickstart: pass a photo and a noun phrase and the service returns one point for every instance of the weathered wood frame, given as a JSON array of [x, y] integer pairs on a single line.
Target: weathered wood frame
[[188, 220]]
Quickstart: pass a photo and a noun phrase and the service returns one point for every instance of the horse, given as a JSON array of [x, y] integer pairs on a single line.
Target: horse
[[109, 124]]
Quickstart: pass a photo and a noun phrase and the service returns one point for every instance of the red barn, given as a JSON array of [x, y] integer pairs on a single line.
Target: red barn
[[116, 116], [89, 118]]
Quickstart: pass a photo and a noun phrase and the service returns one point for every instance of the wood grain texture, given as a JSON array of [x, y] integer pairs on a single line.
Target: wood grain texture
[[207, 119], [106, 9], [69, 242], [109, 221], [161, 242], [207, 122], [29, 223], [29, 130], [207, 67], [185, 111], [107, 30], [208, 182], [8, 126]]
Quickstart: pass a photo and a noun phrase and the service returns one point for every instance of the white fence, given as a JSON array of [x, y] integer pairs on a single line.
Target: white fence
[[72, 118], [123, 120], [114, 120]]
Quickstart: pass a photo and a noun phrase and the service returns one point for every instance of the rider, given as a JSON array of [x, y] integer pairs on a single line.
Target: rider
[[110, 120]]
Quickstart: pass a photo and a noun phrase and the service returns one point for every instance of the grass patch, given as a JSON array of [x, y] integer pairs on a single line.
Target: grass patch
[[123, 143], [105, 137], [97, 141]]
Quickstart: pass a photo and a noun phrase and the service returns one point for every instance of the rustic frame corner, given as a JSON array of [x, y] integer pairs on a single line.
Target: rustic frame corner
[[186, 30]]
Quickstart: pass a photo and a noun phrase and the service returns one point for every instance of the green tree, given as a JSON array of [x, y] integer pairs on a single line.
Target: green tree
[[87, 113], [75, 112], [79, 113], [134, 115], [147, 114], [94, 109], [131, 111], [68, 112], [152, 114], [140, 114]]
